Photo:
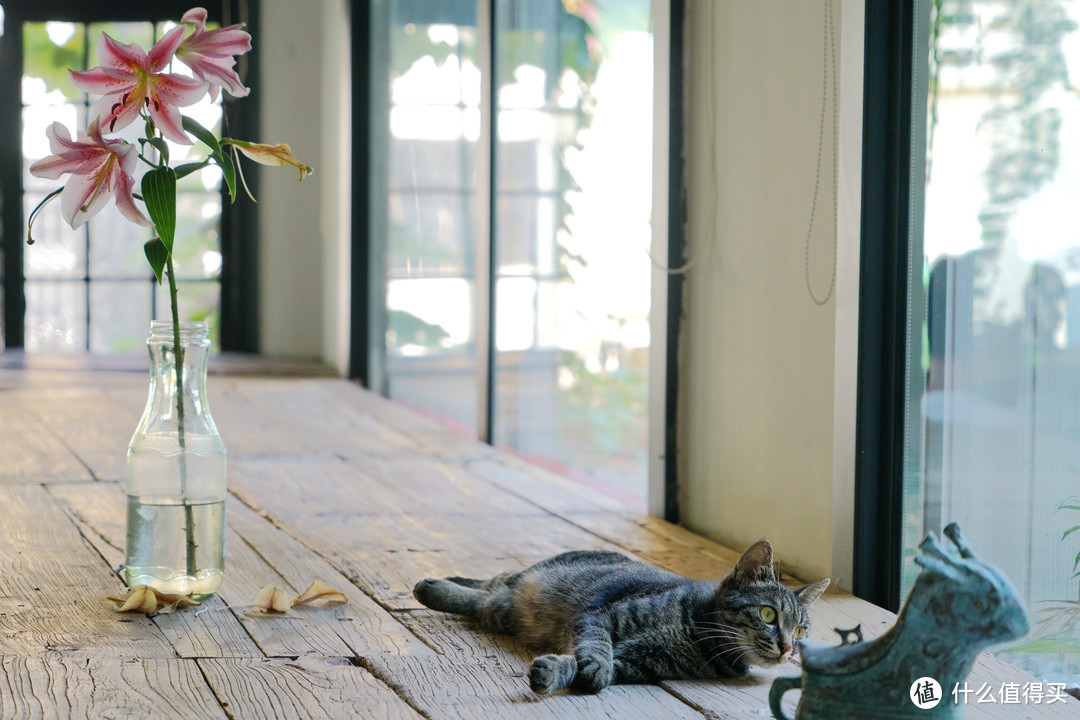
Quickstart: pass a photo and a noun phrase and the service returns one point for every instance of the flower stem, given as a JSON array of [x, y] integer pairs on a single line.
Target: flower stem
[[178, 359]]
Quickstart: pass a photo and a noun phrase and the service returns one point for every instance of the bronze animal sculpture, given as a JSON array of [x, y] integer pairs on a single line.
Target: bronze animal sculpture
[[958, 606]]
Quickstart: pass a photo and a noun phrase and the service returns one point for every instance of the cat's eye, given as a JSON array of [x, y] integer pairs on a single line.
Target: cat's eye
[[768, 614], [799, 633]]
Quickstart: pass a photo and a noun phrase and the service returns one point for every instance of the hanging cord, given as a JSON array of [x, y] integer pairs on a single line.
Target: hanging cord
[[828, 63]]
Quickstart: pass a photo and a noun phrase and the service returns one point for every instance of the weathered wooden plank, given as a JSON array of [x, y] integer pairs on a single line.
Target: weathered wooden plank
[[324, 414], [474, 688], [258, 554], [305, 688], [246, 429], [426, 434], [364, 626], [457, 637], [371, 535], [53, 587], [735, 699], [51, 686], [30, 451], [94, 423], [212, 630]]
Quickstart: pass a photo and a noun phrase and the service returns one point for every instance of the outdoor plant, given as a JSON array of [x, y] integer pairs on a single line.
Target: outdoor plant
[[1059, 619], [140, 86]]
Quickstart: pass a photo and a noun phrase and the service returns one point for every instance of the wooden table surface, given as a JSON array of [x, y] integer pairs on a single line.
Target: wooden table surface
[[331, 482]]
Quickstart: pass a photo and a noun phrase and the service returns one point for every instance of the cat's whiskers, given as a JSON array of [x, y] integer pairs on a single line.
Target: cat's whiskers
[[720, 636], [740, 648]]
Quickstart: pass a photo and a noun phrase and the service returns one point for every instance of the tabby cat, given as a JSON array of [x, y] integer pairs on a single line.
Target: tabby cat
[[607, 618]]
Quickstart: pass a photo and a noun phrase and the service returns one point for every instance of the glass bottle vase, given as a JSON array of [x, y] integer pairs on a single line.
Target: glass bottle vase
[[176, 472]]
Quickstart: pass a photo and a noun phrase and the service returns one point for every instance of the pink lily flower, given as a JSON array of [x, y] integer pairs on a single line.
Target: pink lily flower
[[99, 169], [209, 53], [130, 79]]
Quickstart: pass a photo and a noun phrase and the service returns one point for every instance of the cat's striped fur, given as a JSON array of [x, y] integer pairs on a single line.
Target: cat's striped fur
[[606, 618]]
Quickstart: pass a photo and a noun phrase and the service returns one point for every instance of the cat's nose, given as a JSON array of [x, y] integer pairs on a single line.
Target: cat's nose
[[785, 650]]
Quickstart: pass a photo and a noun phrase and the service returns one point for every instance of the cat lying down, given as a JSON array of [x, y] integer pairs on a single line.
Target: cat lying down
[[606, 618]]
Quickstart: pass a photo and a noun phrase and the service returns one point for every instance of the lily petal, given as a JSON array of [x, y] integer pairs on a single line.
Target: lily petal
[[99, 82], [195, 15], [145, 599], [125, 201], [218, 71], [165, 48], [116, 56], [118, 110], [168, 93], [83, 197], [319, 593], [272, 599], [223, 42]]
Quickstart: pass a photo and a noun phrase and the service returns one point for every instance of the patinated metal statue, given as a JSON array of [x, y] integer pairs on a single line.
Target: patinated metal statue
[[959, 606]]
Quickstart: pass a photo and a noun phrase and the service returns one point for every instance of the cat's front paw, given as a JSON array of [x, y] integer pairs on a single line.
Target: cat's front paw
[[551, 673], [593, 674]]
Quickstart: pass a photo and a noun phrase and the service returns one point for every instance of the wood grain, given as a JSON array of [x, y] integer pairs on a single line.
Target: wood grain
[[50, 686], [53, 587], [94, 423], [474, 688], [31, 452], [363, 625], [304, 688], [324, 415]]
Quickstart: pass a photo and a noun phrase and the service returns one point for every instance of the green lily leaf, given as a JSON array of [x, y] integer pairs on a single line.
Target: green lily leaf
[[186, 169], [158, 255], [228, 171], [159, 194], [223, 161], [162, 147], [207, 137]]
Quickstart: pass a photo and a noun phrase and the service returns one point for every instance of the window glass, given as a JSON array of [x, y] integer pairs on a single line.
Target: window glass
[[431, 335], [573, 201], [998, 420], [572, 198]]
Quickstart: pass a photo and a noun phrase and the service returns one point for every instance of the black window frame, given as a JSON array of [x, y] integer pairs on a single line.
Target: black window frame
[[893, 186], [239, 221]]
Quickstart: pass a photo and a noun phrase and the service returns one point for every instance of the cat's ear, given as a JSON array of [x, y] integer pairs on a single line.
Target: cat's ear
[[755, 565], [809, 593]]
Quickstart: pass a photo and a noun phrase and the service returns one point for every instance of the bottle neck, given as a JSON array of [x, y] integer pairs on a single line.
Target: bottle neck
[[190, 332], [165, 382]]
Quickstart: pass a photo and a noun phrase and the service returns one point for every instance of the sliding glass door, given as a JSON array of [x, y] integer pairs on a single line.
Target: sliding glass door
[[994, 308], [519, 210]]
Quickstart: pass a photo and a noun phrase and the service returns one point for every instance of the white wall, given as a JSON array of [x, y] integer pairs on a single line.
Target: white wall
[[304, 228], [766, 419]]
